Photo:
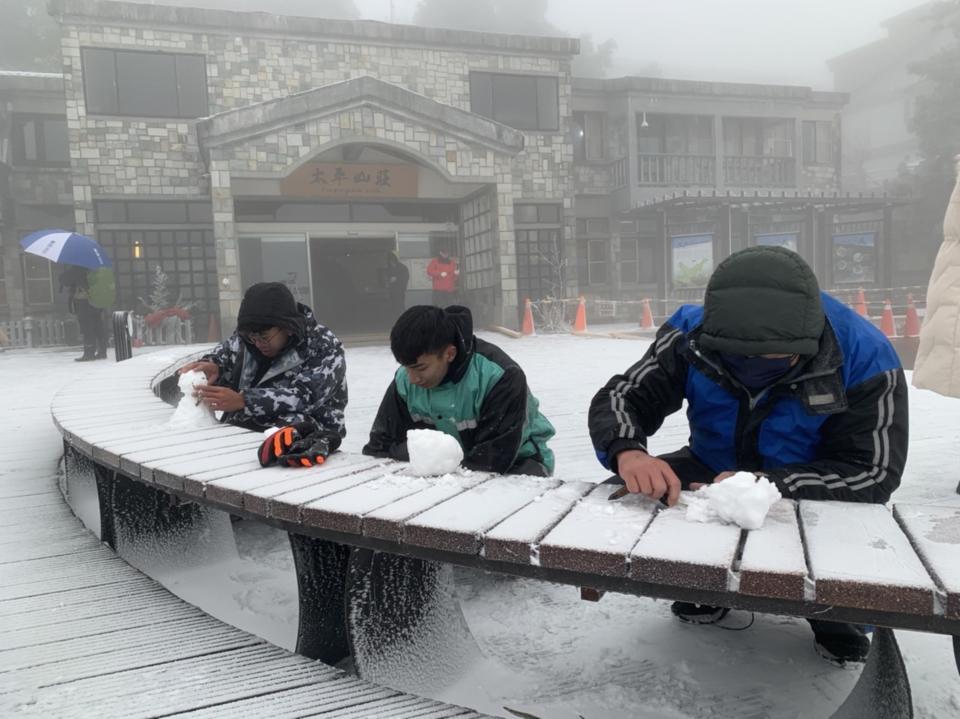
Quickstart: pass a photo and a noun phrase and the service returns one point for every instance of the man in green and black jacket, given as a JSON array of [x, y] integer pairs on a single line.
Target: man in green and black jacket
[[463, 386]]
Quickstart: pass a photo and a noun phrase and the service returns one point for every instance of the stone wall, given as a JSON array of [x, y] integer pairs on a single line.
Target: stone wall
[[158, 157]]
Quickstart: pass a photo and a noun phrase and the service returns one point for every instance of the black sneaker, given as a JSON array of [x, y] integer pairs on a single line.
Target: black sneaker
[[698, 613], [842, 649]]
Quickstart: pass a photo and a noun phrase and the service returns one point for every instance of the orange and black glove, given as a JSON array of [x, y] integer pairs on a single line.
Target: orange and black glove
[[297, 445], [312, 449]]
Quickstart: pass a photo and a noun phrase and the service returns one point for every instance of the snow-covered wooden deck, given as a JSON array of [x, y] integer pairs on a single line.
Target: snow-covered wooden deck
[[834, 561], [82, 633]]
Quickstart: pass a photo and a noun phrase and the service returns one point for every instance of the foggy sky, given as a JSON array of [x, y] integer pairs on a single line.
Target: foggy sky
[[777, 41]]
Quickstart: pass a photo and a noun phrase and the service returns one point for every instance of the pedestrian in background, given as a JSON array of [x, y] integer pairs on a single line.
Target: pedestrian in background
[[444, 272]]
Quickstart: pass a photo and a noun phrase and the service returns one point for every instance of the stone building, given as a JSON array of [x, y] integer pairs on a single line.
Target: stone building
[[224, 148], [35, 190]]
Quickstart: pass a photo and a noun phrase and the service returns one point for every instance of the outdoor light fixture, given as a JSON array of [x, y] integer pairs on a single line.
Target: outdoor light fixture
[[137, 250], [644, 123]]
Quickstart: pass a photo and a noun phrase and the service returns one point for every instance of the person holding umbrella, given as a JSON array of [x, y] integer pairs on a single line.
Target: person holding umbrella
[[88, 278]]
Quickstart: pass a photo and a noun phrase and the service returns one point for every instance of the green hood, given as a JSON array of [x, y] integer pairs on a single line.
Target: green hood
[[762, 300]]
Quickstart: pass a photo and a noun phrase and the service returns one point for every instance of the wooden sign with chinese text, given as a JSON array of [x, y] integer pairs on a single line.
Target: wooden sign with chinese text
[[331, 179]]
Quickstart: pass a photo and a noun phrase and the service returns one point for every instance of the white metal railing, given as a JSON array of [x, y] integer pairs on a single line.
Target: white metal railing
[[35, 331]]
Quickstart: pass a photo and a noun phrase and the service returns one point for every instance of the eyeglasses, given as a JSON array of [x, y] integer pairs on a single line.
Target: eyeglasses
[[260, 338]]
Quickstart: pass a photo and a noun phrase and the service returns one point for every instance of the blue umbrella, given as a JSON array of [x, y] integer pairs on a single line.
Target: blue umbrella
[[66, 247]]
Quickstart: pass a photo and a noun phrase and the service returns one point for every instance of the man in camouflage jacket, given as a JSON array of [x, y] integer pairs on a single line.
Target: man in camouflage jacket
[[279, 368]]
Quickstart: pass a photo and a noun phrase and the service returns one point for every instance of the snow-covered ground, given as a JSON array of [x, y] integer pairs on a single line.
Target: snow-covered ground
[[543, 651]]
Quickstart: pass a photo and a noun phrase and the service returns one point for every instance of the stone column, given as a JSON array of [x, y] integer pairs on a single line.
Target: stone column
[[225, 237], [507, 297]]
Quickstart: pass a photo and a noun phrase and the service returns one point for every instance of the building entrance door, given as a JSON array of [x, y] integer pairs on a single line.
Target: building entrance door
[[276, 258], [350, 283]]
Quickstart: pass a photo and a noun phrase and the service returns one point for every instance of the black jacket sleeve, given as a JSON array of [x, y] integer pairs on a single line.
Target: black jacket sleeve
[[499, 432], [863, 449], [633, 405], [388, 435]]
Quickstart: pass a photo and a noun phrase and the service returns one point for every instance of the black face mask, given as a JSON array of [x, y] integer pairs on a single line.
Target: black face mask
[[756, 372]]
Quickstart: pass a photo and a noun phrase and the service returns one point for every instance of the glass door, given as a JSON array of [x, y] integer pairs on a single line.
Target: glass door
[[277, 258]]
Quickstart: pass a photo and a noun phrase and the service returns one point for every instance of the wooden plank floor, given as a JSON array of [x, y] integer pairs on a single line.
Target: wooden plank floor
[[84, 634]]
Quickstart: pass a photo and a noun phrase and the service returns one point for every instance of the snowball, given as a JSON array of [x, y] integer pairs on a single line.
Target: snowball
[[432, 452], [741, 499], [191, 414]]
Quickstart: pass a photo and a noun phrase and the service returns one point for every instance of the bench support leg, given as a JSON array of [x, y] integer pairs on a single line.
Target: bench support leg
[[956, 651], [883, 690], [321, 577], [149, 527], [405, 623]]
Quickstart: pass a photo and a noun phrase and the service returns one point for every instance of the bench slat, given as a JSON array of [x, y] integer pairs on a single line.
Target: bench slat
[[773, 564], [232, 490], [109, 452], [457, 524], [171, 473], [514, 538], [685, 554], [859, 557], [344, 511], [598, 534], [387, 521], [259, 499], [191, 447], [288, 506], [935, 533]]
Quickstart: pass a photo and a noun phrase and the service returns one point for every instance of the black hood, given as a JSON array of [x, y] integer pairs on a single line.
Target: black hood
[[463, 321], [762, 300], [270, 304]]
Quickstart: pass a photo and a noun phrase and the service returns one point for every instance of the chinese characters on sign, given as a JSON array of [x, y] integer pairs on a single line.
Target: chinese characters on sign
[[330, 179]]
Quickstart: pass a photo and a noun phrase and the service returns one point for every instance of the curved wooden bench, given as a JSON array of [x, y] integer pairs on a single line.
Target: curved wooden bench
[[353, 520]]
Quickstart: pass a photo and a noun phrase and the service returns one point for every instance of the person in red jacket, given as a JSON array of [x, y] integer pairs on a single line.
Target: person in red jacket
[[444, 271]]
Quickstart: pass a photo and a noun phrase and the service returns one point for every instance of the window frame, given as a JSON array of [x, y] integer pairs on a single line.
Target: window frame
[[117, 110], [476, 77], [811, 134], [27, 280], [18, 144], [581, 145]]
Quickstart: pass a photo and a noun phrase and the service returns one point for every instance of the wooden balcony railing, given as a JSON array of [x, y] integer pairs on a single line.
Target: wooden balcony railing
[[683, 170], [759, 171]]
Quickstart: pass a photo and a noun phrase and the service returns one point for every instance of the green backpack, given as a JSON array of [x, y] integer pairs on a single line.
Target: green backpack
[[101, 289]]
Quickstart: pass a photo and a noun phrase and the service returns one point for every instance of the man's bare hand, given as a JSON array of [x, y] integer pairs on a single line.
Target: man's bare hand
[[209, 369], [649, 476], [222, 399]]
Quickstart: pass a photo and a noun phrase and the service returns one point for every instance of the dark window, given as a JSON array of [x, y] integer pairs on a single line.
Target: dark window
[[526, 102], [147, 84], [675, 134], [153, 212], [37, 280], [598, 258], [818, 145], [593, 226], [40, 140], [589, 139], [524, 214], [539, 264]]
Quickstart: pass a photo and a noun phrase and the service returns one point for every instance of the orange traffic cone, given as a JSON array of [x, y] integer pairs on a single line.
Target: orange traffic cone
[[912, 325], [861, 305], [887, 325], [527, 326], [646, 319], [580, 321]]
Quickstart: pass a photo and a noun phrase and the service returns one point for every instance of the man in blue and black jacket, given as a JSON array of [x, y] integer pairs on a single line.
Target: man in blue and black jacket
[[779, 379]]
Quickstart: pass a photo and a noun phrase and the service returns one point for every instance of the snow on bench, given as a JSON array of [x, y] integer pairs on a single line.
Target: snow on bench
[[838, 555], [935, 534]]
